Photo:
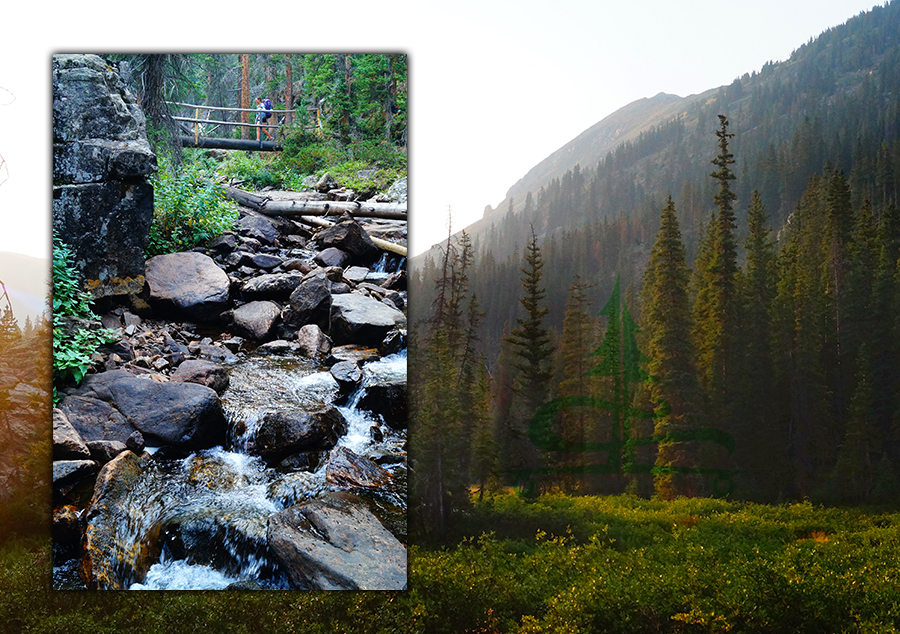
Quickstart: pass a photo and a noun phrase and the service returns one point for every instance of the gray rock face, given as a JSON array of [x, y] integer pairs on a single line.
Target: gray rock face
[[102, 200], [332, 257], [363, 320], [256, 320], [206, 373], [334, 543], [189, 284]]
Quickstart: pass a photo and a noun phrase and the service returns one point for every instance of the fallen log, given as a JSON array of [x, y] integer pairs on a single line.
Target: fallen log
[[271, 207], [229, 144]]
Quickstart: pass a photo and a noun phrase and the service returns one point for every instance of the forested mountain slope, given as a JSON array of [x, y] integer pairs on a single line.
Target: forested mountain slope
[[595, 203]]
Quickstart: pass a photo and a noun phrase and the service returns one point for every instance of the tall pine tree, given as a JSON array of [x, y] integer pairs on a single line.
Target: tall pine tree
[[667, 321]]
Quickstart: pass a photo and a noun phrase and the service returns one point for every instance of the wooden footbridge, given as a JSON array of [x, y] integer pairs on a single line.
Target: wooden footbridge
[[197, 130]]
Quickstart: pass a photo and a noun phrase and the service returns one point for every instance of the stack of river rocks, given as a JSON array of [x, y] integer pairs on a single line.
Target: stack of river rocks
[[270, 287]]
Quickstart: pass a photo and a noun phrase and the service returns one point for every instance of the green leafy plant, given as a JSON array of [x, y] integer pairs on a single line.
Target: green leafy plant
[[73, 343], [189, 208]]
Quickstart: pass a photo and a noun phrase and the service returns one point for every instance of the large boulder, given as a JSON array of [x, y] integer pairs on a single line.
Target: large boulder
[[310, 303], [362, 320], [283, 433], [185, 415], [256, 320], [350, 237], [189, 284], [313, 343], [334, 543], [203, 372], [102, 198]]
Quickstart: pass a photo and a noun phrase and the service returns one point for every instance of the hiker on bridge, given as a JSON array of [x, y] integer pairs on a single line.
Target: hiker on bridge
[[262, 116]]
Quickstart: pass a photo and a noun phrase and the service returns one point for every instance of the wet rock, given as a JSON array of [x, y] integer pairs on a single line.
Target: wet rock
[[349, 470], [202, 372], [312, 342], [246, 584], [67, 442], [256, 319], [362, 320], [297, 264], [303, 461], [283, 433], [272, 286], [388, 400], [333, 542], [108, 564], [352, 352], [347, 374], [393, 343], [350, 237], [67, 527], [310, 303], [94, 419], [188, 284], [332, 257], [278, 347]]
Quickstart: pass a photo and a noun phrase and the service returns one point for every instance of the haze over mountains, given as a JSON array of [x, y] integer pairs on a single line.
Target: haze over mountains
[[826, 102], [26, 279]]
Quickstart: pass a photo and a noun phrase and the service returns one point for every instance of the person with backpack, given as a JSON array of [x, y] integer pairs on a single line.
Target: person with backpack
[[262, 116]]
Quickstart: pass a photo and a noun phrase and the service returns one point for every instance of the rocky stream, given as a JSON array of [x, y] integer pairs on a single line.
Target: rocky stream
[[248, 427]]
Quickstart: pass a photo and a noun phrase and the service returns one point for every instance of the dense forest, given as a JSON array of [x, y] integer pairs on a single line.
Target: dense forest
[[348, 98], [757, 256]]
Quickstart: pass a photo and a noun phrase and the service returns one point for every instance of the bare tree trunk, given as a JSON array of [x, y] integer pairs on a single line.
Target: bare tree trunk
[[245, 93], [289, 91]]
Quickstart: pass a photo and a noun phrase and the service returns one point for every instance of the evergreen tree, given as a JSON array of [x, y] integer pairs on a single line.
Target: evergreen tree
[[531, 338], [759, 432], [579, 337], [716, 308], [532, 346], [667, 322]]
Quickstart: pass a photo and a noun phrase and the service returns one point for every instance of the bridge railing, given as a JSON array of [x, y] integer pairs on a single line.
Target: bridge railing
[[198, 128]]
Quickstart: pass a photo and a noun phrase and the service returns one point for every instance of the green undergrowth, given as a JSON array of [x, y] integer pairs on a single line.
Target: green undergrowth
[[367, 167], [556, 564], [189, 207]]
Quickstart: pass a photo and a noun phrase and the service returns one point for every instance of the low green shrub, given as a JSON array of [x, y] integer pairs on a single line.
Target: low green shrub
[[189, 208]]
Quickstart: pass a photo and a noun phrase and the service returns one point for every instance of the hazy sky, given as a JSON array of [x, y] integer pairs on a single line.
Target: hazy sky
[[495, 87]]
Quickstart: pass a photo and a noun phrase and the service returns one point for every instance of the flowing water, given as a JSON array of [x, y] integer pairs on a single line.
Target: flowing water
[[202, 519]]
